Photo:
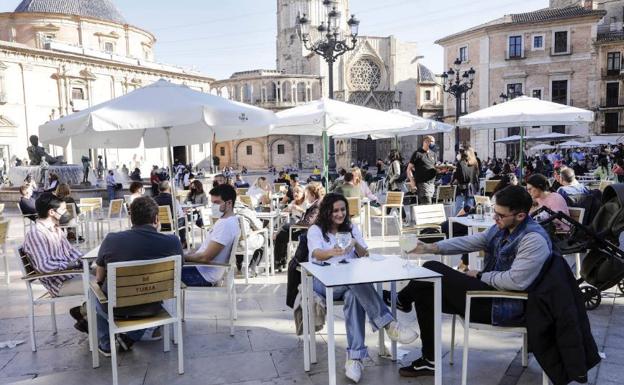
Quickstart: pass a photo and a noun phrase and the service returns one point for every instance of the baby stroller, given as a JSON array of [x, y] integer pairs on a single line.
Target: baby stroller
[[603, 266]]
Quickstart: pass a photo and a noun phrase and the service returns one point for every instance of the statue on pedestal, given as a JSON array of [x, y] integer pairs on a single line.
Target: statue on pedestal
[[36, 153]]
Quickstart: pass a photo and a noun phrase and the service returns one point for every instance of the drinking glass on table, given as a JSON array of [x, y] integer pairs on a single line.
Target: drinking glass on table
[[343, 239], [407, 243]]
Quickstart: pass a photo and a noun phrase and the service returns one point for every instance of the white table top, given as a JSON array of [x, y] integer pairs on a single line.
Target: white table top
[[92, 254], [267, 215], [468, 221], [367, 270]]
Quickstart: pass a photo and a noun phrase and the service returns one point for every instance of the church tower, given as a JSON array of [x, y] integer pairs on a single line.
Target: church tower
[[292, 57]]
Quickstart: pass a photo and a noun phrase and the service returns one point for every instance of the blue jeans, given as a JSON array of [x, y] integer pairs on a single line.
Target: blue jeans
[[103, 332], [462, 201], [192, 277], [359, 301]]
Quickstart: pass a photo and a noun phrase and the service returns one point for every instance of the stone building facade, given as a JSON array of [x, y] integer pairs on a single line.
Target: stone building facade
[[381, 72], [550, 54], [60, 57]]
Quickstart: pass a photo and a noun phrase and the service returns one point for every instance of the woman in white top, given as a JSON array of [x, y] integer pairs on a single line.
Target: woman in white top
[[259, 192], [360, 300]]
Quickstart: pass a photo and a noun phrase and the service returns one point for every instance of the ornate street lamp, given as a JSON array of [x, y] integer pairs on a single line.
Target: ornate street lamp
[[457, 84], [330, 44]]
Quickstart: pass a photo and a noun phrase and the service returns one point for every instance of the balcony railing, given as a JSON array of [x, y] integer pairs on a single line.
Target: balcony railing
[[514, 55], [604, 72], [610, 103]]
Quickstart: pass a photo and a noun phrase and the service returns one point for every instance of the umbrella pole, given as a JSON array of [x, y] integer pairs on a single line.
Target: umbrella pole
[[521, 154], [325, 160], [174, 213]]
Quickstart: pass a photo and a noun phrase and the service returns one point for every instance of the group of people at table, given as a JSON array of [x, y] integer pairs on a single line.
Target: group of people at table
[[517, 248]]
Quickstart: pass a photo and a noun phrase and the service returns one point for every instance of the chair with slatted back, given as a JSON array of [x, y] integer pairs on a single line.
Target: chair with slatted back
[[181, 195], [490, 185], [115, 214], [94, 204], [4, 238], [165, 218], [603, 184], [394, 200], [427, 217], [241, 191], [482, 200], [225, 285], [446, 194], [137, 283], [244, 249], [26, 219], [246, 200], [31, 276], [279, 187]]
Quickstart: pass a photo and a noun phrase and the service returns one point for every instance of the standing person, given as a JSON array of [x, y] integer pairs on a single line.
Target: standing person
[[111, 185], [360, 300], [154, 180], [394, 179], [421, 170], [603, 172], [467, 179], [100, 168]]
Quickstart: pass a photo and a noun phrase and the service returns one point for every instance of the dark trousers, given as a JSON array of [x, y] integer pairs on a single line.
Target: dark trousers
[[281, 244], [454, 288], [459, 230]]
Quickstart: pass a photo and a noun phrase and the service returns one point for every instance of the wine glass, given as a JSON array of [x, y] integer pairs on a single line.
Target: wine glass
[[407, 243], [343, 239]]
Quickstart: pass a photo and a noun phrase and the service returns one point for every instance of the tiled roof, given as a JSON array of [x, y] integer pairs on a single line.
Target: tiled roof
[[425, 74], [546, 14], [98, 9]]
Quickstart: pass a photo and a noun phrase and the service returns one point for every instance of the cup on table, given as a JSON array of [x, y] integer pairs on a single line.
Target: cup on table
[[407, 243], [343, 239]]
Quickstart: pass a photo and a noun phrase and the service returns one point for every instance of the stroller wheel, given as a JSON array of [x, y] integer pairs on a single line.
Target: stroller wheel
[[621, 286], [591, 296]]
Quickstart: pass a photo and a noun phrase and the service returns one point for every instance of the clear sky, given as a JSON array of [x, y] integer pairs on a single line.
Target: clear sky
[[220, 37]]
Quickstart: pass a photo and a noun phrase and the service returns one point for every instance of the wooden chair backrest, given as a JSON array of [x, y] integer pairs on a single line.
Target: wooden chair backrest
[[181, 195], [277, 186], [490, 185], [241, 191], [116, 208], [577, 213], [164, 215], [482, 200], [97, 202], [354, 206], [604, 184], [141, 282], [394, 198], [446, 194], [429, 214], [4, 231], [26, 266], [246, 200]]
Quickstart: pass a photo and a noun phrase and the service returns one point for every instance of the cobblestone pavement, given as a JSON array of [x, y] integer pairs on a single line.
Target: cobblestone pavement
[[264, 349]]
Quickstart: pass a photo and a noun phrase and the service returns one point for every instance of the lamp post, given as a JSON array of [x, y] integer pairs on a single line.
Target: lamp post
[[330, 45], [457, 84]]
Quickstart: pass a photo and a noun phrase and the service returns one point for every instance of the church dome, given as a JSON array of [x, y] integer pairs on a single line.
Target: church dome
[[98, 9]]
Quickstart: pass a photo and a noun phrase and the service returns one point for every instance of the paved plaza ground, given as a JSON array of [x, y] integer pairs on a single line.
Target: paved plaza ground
[[265, 349]]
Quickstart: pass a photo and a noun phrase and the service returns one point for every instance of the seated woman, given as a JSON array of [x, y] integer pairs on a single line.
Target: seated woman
[[295, 207], [360, 300], [63, 192], [314, 193], [135, 175], [539, 189], [259, 192], [136, 191], [196, 196]]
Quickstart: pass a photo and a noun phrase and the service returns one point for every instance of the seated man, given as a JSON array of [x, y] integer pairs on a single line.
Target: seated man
[[240, 182], [141, 242], [569, 184], [516, 249], [348, 189], [27, 202], [218, 243], [164, 198], [49, 251]]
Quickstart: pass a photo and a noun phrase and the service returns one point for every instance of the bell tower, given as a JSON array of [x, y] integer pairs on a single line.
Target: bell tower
[[292, 57]]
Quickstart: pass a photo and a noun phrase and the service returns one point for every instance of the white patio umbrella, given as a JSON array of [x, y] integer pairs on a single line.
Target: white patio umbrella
[[328, 118], [552, 137], [510, 139], [542, 147], [524, 112], [161, 115], [573, 144]]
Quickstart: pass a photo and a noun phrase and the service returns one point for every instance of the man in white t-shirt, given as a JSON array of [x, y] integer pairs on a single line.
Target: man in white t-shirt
[[217, 246]]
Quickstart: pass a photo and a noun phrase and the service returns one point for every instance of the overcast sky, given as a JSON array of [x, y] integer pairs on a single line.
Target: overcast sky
[[221, 37]]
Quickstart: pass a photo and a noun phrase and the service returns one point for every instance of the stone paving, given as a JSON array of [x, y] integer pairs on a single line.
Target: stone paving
[[264, 349]]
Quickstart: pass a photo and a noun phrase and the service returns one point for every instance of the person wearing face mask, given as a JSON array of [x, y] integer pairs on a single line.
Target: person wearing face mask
[[421, 171], [49, 251], [218, 243]]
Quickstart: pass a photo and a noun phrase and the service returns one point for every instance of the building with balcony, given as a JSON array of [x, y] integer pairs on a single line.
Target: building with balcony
[[549, 54], [58, 57]]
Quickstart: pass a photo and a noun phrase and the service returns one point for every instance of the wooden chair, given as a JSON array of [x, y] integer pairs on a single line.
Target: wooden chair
[[394, 200], [470, 295], [277, 187], [482, 200], [96, 202], [246, 200], [115, 214], [137, 283], [490, 185], [446, 194], [225, 285], [427, 217], [355, 210], [4, 237], [247, 252], [181, 195], [241, 191], [165, 218], [30, 276]]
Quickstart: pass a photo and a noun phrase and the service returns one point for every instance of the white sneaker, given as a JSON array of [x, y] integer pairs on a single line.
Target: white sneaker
[[400, 333], [353, 370]]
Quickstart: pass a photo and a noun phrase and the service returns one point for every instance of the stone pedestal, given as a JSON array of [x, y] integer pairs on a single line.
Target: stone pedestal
[[69, 173]]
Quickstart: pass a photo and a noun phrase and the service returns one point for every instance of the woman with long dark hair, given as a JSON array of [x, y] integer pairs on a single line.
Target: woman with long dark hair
[[360, 300], [467, 179]]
